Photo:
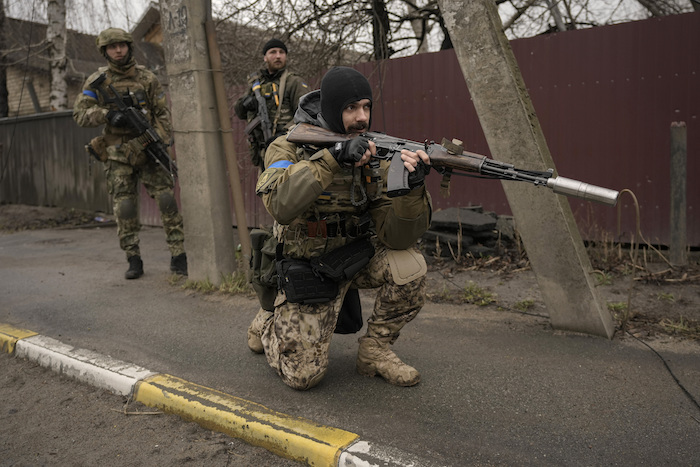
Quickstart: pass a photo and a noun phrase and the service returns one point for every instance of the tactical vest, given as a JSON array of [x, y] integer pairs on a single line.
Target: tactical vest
[[132, 90], [340, 213]]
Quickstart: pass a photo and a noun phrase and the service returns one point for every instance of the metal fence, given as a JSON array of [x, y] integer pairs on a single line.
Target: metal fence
[[44, 163], [605, 97]]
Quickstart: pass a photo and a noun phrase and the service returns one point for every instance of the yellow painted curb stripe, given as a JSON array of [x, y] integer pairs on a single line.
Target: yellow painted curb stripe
[[291, 437], [9, 336]]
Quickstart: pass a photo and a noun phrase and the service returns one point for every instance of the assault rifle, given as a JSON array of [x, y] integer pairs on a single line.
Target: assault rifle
[[450, 156], [148, 139], [262, 119]]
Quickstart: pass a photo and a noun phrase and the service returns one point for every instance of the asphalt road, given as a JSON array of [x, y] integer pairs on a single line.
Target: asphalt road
[[497, 387]]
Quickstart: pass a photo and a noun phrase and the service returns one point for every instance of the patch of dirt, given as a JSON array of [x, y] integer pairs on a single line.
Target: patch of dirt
[[647, 297], [50, 419], [17, 217]]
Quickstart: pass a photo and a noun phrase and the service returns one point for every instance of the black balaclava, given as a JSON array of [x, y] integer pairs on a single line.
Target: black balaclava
[[339, 87]]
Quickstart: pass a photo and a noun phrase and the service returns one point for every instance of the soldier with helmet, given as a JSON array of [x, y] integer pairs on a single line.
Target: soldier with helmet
[[280, 89], [125, 163], [338, 231]]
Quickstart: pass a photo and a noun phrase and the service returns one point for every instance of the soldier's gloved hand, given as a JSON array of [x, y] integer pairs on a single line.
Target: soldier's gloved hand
[[349, 152], [117, 119], [417, 177], [250, 103]]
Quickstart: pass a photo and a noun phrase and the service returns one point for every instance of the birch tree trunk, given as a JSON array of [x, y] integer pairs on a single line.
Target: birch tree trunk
[[4, 105], [56, 35]]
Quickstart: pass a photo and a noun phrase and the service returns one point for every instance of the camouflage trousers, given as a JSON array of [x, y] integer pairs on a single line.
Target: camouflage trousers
[[296, 338], [123, 183]]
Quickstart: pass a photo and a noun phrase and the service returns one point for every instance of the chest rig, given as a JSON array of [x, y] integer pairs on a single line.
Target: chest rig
[[345, 201], [341, 212], [131, 90]]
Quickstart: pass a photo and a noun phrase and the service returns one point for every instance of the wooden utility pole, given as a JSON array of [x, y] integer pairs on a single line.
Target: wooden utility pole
[[678, 221]]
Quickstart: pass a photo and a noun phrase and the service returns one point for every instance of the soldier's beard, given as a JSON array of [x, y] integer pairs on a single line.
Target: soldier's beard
[[358, 128]]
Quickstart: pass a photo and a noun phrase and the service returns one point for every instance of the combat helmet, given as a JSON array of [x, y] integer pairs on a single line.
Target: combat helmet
[[113, 36]]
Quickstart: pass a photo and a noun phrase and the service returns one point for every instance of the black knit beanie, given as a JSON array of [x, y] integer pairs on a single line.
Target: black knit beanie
[[339, 87], [274, 43]]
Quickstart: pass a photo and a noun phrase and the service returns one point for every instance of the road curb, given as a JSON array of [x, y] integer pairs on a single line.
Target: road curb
[[291, 437], [84, 365]]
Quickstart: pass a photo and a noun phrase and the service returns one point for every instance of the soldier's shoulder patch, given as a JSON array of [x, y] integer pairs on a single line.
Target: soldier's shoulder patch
[[267, 180]]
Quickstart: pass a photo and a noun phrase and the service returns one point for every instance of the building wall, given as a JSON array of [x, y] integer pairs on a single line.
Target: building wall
[[19, 94]]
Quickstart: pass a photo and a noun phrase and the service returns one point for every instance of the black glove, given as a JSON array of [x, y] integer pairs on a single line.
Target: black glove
[[117, 119], [350, 151], [250, 103], [417, 177]]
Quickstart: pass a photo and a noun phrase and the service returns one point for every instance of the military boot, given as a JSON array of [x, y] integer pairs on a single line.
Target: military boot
[[374, 357], [178, 264], [255, 330], [135, 268]]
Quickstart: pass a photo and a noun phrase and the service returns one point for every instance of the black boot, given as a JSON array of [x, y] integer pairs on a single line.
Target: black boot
[[178, 264], [135, 268]]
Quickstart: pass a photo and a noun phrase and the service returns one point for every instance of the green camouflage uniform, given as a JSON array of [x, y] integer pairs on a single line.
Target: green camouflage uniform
[[124, 166], [294, 88], [302, 186]]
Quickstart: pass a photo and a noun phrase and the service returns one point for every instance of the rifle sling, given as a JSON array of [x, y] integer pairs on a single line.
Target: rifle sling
[[283, 83]]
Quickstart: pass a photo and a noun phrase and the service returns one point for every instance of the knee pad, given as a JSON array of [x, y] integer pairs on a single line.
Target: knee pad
[[167, 203], [127, 208], [406, 265]]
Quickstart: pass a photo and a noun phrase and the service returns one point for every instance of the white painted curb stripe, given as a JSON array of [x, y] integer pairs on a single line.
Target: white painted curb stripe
[[87, 366], [363, 454]]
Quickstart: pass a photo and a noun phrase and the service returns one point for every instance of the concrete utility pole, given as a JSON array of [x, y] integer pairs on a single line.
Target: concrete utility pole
[[544, 220], [203, 185]]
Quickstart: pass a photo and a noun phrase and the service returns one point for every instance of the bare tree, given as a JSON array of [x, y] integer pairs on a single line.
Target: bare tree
[[56, 35], [337, 30], [525, 18]]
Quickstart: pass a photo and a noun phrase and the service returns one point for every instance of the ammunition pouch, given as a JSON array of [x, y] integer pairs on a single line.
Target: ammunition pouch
[[302, 284], [338, 225], [97, 147], [134, 151], [342, 264], [316, 281], [263, 275]]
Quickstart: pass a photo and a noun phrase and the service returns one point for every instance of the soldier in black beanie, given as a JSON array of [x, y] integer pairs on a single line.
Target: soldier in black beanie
[[342, 86], [330, 207], [280, 90]]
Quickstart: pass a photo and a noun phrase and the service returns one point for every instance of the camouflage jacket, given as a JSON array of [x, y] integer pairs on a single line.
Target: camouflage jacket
[[304, 188], [90, 108]]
